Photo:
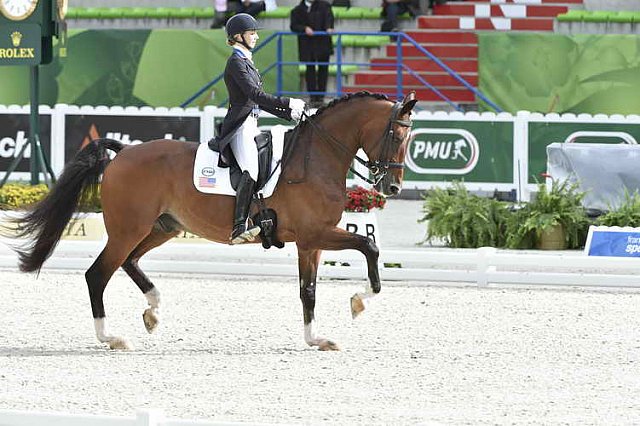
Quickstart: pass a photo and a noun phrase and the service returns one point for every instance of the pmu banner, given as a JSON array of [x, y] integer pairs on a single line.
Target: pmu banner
[[14, 134], [469, 150], [80, 129], [544, 133]]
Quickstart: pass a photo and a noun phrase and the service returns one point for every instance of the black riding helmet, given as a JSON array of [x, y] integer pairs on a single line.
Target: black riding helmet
[[240, 23]]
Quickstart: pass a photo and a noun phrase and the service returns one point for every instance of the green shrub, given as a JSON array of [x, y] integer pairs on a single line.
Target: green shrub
[[463, 219], [628, 214]]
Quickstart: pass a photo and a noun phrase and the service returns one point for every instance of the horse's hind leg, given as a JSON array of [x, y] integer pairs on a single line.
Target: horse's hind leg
[[97, 277], [156, 237], [308, 270]]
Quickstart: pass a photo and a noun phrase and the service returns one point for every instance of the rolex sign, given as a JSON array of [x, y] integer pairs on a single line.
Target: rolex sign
[[20, 44]]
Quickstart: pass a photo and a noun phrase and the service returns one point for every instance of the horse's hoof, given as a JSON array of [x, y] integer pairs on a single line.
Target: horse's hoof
[[328, 345], [150, 319], [120, 343], [357, 306]]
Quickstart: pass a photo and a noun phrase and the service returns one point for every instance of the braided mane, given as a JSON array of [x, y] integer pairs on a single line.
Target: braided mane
[[345, 98]]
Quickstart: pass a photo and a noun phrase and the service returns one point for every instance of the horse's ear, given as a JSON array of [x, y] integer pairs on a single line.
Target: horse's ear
[[408, 103]]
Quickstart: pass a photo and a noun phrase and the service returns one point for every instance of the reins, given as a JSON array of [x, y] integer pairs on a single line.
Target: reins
[[378, 168]]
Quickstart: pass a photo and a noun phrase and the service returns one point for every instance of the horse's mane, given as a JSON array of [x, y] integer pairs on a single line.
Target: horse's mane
[[345, 98]]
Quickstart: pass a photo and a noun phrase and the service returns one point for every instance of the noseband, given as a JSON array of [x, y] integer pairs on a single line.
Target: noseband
[[378, 168]]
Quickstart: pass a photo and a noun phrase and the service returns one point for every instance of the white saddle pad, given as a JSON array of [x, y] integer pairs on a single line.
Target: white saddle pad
[[211, 179]]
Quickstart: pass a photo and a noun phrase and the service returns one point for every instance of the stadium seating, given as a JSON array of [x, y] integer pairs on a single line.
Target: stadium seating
[[347, 19]]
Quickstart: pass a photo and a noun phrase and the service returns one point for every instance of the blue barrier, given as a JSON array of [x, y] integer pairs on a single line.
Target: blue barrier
[[398, 64]]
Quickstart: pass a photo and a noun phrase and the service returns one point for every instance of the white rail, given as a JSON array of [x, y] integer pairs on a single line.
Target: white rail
[[420, 266], [142, 418]]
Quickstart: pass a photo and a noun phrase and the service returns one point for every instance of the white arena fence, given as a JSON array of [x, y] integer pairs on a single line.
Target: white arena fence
[[488, 151], [142, 418], [416, 267]]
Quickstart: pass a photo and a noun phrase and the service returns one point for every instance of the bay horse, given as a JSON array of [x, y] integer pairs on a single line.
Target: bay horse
[[148, 197]]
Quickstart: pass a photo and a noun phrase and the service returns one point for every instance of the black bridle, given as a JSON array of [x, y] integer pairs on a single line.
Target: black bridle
[[378, 168]]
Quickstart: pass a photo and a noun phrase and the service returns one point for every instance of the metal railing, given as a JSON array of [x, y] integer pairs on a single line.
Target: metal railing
[[398, 64]]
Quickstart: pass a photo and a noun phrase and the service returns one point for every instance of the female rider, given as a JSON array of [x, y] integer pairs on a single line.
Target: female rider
[[240, 125]]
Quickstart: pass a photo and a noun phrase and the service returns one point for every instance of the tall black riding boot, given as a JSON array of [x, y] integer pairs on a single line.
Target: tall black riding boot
[[244, 193]]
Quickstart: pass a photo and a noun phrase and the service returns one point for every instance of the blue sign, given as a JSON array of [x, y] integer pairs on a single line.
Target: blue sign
[[617, 242]]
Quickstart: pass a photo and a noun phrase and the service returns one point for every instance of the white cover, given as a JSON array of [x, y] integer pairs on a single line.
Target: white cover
[[210, 179]]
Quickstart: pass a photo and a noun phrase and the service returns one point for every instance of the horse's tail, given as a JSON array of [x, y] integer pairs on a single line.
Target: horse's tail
[[45, 222]]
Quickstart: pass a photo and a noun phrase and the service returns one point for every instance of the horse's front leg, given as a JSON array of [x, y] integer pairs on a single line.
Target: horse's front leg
[[308, 271], [339, 239]]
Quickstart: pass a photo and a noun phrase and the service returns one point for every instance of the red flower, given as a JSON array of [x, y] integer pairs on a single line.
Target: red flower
[[360, 199]]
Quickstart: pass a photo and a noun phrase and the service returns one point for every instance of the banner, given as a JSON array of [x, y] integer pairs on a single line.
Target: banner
[[14, 134], [588, 73], [158, 68], [613, 241], [473, 151], [80, 129]]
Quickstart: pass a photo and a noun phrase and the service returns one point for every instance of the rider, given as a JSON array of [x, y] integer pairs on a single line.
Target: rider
[[240, 125]]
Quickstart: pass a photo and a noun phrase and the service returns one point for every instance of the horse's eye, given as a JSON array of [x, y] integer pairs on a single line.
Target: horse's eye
[[398, 138]]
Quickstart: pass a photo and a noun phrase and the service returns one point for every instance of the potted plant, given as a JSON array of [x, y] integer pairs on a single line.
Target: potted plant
[[554, 220], [462, 219]]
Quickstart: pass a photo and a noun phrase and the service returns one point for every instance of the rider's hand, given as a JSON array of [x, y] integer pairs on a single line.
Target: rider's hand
[[297, 108]]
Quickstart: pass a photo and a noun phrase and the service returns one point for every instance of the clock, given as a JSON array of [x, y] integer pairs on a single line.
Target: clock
[[63, 5], [17, 10]]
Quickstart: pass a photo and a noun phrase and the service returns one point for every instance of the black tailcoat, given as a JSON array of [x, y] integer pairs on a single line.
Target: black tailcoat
[[244, 85]]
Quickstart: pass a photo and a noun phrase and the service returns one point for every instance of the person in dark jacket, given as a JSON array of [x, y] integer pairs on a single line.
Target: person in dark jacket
[[306, 18], [240, 125]]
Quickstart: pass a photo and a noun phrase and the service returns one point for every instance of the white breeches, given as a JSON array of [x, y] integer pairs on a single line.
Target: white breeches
[[244, 147]]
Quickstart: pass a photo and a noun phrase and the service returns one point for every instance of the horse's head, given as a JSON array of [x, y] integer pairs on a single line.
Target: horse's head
[[386, 154]]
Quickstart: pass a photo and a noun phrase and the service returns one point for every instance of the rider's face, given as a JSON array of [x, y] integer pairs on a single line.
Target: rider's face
[[251, 38]]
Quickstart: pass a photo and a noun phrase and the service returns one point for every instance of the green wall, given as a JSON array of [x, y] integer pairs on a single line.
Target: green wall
[[140, 68], [560, 73]]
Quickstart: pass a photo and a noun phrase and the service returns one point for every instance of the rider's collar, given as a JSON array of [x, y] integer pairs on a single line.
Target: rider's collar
[[243, 51]]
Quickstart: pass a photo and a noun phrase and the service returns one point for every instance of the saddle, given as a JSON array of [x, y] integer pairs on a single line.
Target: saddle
[[266, 218], [264, 143]]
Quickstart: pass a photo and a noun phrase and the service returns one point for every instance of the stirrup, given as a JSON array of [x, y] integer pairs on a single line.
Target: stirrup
[[247, 236]]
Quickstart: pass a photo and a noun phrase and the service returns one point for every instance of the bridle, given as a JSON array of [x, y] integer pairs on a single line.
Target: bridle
[[378, 168]]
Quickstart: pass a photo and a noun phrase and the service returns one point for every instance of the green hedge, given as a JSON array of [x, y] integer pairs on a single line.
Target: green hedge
[[281, 12], [600, 16]]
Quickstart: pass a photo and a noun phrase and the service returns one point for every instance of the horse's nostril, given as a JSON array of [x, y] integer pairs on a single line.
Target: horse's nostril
[[395, 189]]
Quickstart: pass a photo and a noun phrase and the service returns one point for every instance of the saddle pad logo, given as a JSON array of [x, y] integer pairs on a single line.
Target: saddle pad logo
[[208, 171]]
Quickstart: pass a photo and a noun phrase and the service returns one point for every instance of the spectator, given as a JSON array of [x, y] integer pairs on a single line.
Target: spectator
[[306, 18], [392, 9], [254, 7], [224, 10], [220, 13]]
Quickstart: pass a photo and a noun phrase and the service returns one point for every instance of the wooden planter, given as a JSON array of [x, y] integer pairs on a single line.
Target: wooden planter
[[554, 238]]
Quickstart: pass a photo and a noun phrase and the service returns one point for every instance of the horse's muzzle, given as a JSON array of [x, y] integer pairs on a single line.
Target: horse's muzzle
[[395, 189]]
